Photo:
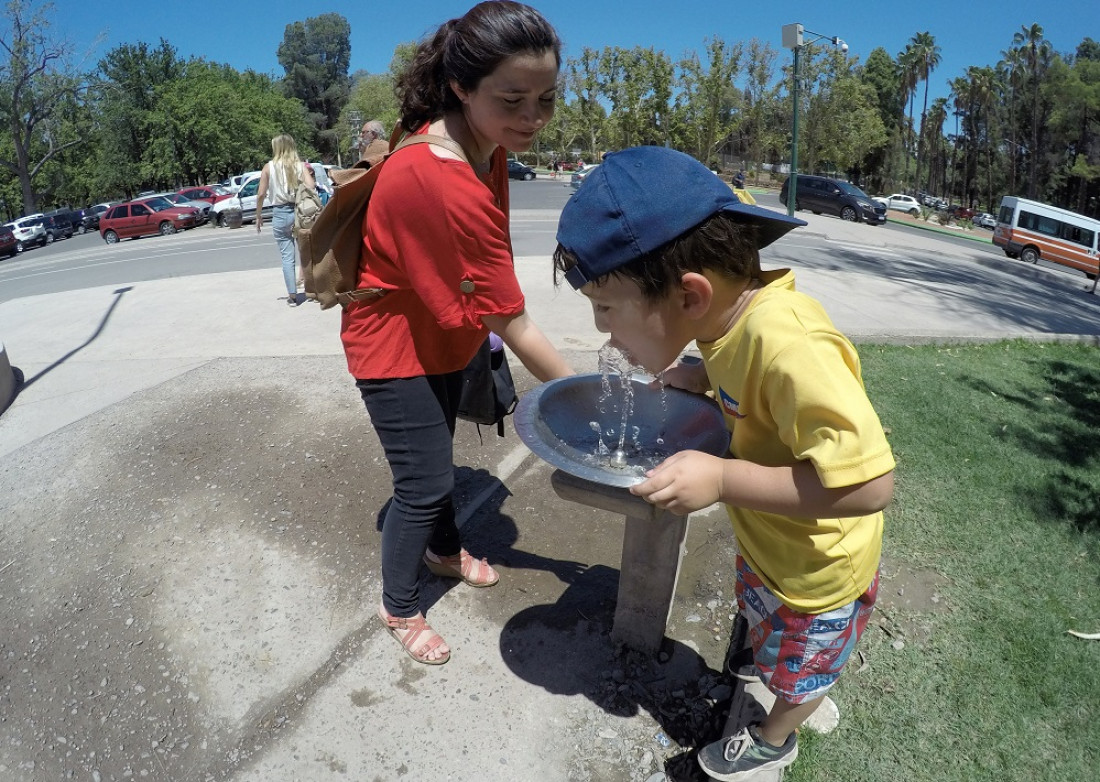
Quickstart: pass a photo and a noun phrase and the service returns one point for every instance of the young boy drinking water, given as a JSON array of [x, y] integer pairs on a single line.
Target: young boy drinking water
[[667, 255]]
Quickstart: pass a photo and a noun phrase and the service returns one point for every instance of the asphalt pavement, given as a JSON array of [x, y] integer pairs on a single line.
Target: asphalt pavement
[[189, 494]]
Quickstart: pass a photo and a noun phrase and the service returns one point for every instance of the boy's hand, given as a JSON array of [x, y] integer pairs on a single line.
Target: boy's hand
[[690, 377], [682, 483]]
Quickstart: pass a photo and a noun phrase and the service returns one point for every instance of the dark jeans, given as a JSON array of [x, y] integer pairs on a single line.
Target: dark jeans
[[415, 421]]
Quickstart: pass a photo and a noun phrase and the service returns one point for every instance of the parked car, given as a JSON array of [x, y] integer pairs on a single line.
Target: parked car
[[826, 195], [211, 194], [91, 214], [576, 179], [902, 203], [9, 245], [235, 183], [245, 201], [56, 226], [986, 220], [145, 217], [28, 232], [179, 200], [517, 170], [962, 212], [71, 216]]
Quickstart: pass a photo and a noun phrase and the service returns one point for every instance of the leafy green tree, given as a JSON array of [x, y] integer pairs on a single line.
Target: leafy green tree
[[848, 123], [586, 118], [762, 139], [884, 77], [316, 55], [637, 83], [124, 97], [1074, 91], [707, 99], [212, 119], [37, 89]]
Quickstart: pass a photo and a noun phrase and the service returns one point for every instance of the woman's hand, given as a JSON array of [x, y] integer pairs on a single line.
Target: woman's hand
[[684, 482]]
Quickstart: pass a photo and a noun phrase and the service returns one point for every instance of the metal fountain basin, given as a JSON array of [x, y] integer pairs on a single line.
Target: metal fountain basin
[[555, 420]]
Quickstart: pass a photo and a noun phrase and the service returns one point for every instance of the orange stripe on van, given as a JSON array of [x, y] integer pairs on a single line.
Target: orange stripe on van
[[1051, 248]]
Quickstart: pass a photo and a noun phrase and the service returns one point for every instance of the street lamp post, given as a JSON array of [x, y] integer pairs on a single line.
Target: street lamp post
[[793, 39]]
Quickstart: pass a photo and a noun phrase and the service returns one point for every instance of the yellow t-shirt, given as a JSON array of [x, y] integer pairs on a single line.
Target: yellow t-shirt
[[790, 389]]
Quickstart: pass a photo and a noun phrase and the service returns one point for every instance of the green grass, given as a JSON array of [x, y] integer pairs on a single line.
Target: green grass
[[997, 507]]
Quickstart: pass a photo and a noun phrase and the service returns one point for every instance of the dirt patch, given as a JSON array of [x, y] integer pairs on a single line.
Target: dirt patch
[[909, 600]]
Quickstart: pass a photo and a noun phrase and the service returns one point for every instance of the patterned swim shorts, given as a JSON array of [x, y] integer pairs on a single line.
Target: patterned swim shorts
[[799, 656]]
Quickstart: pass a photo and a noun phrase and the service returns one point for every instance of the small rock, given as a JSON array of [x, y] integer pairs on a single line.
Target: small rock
[[720, 693], [607, 733], [898, 644]]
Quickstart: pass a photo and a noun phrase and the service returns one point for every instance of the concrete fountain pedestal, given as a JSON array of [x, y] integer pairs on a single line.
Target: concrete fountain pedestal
[[653, 548], [575, 424]]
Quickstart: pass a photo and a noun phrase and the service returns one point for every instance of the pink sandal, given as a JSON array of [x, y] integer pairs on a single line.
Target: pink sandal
[[475, 572], [413, 627]]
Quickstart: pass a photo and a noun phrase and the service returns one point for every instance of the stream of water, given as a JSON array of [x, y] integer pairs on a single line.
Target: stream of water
[[629, 453]]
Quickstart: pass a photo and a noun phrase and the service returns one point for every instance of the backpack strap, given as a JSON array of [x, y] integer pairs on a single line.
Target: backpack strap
[[439, 141], [361, 295]]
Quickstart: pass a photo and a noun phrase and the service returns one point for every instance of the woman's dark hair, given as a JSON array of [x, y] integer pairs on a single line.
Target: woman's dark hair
[[467, 50], [721, 243]]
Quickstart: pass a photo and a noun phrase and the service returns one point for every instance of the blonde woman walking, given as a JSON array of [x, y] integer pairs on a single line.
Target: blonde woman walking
[[280, 178]]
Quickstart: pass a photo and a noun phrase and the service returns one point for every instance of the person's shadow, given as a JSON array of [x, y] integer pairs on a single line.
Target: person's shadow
[[565, 646]]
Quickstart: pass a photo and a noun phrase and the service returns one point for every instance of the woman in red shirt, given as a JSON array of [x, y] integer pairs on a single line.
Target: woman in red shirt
[[436, 240]]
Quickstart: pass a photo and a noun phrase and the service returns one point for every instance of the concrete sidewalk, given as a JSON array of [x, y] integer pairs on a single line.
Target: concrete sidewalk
[[189, 492]]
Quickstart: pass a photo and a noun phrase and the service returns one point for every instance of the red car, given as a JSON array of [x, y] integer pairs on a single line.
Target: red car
[[209, 193], [9, 245], [144, 217]]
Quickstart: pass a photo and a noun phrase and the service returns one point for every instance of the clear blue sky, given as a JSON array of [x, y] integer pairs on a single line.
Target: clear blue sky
[[246, 33]]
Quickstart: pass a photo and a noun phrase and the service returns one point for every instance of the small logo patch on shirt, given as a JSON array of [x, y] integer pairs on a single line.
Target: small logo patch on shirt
[[729, 404]]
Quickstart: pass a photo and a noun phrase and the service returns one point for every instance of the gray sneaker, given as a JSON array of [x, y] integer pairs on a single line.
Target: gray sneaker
[[745, 754]]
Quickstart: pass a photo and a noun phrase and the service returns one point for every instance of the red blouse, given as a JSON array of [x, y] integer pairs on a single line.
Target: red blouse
[[436, 237]]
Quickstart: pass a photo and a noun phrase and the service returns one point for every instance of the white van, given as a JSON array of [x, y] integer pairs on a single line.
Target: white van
[[1031, 230]]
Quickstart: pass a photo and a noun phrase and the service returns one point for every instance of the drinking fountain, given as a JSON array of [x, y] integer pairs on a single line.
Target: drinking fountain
[[602, 432]]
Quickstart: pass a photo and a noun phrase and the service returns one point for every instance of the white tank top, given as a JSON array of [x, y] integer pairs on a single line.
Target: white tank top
[[280, 190]]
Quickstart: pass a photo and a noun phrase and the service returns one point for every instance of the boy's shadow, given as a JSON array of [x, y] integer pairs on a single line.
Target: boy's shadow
[[565, 647]]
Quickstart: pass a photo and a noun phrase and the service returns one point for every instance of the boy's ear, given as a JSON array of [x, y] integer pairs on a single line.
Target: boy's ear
[[696, 294]]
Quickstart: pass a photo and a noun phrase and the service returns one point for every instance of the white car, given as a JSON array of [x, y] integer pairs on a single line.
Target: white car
[[986, 220], [578, 177], [28, 232], [901, 202], [235, 183], [243, 200]]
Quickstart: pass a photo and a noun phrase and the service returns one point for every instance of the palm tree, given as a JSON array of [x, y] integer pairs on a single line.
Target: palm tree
[[983, 92], [934, 120], [1037, 51], [1012, 65], [926, 56], [907, 86], [960, 94]]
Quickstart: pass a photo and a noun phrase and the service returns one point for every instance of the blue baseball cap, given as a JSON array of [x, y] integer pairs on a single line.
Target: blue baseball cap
[[642, 198]]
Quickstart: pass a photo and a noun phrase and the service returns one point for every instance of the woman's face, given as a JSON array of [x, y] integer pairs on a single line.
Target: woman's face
[[513, 103]]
